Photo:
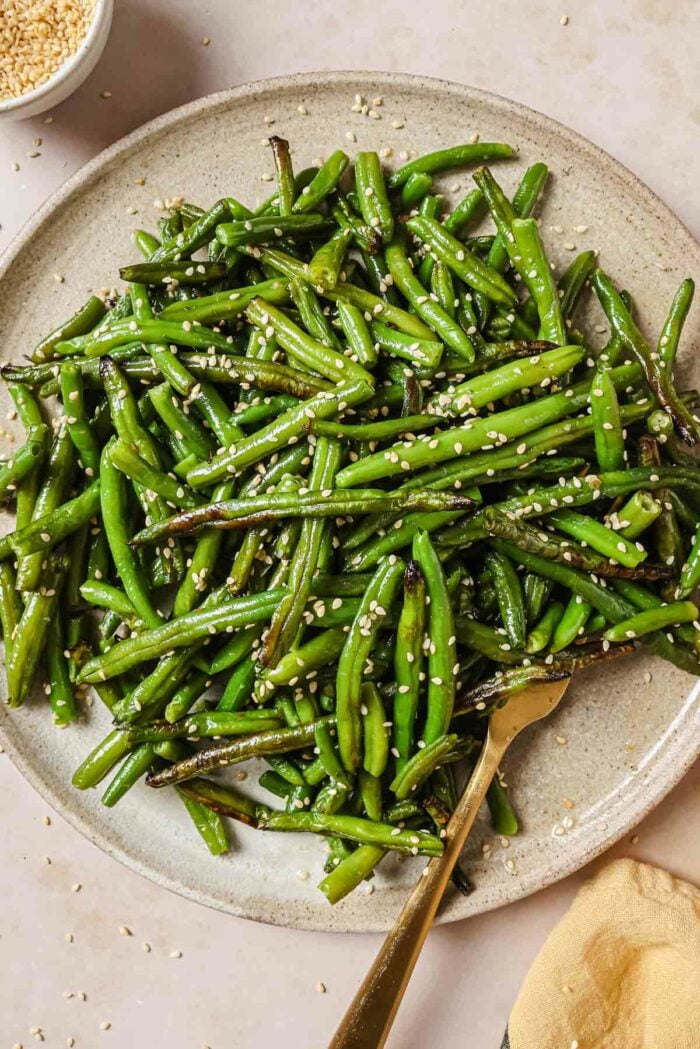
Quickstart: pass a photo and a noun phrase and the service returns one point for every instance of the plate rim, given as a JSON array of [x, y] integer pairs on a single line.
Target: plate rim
[[682, 748]]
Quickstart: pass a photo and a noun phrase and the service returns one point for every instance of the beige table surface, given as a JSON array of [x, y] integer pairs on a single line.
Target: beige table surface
[[624, 74]]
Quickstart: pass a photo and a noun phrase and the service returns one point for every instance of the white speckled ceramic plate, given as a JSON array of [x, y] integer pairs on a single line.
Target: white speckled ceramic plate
[[616, 745]]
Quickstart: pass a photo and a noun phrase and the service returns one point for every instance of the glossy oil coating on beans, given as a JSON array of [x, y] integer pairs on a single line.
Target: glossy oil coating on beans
[[331, 479]]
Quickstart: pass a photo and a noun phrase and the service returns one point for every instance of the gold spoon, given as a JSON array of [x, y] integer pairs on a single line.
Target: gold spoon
[[367, 1022]]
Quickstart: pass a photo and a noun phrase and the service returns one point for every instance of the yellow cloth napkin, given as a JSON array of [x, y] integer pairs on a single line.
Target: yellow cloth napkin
[[620, 971]]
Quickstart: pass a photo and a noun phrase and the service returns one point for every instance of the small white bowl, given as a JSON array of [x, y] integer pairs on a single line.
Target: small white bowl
[[67, 77]]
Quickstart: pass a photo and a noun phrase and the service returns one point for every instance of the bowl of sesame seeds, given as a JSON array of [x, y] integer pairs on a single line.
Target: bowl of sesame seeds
[[47, 49]]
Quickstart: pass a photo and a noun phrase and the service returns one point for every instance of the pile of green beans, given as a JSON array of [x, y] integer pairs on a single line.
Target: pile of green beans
[[331, 479]]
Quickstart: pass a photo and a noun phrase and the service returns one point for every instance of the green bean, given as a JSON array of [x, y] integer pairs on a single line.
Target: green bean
[[367, 239], [452, 157], [539, 370], [30, 636], [607, 428], [419, 352], [331, 502], [503, 818], [429, 311], [10, 606], [673, 325], [408, 662], [403, 533], [287, 616], [182, 632], [283, 431], [137, 469], [354, 296], [374, 731], [351, 872], [187, 694], [374, 606], [173, 273], [370, 792], [573, 280], [470, 207], [169, 407], [51, 494], [653, 619], [22, 463], [524, 201], [509, 595], [442, 285], [357, 333], [208, 823], [327, 262], [239, 686], [285, 174], [550, 546], [79, 427], [352, 828], [423, 402], [378, 431], [414, 189], [224, 800], [636, 515], [328, 756], [101, 760], [205, 396], [571, 623], [600, 538], [657, 377], [422, 765], [470, 437], [372, 194], [322, 184], [541, 634], [464, 263], [135, 765], [60, 687], [534, 269], [442, 666], [222, 755], [206, 723], [303, 348], [313, 317], [114, 518], [197, 234], [612, 606], [84, 320], [51, 527], [536, 592]]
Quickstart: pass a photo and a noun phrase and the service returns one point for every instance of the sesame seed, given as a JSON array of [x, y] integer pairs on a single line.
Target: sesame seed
[[38, 39]]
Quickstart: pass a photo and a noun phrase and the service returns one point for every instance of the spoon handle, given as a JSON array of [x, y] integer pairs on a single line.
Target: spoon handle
[[368, 1020]]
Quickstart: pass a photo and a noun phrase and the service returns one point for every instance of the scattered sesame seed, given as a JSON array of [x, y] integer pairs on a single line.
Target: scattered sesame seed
[[176, 954], [321, 987]]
